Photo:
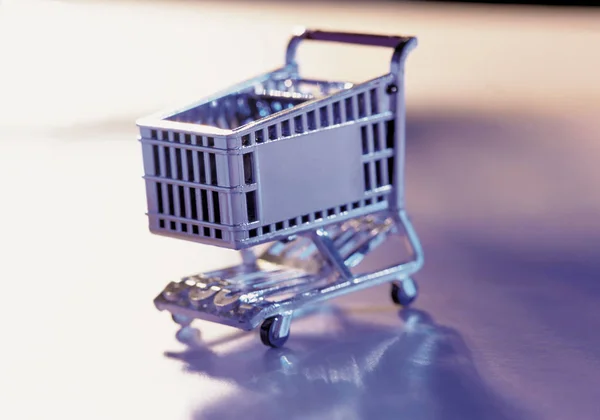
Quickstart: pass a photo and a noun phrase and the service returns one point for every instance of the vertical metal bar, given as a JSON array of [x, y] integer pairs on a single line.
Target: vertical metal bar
[[207, 168], [163, 173], [384, 172], [398, 107], [195, 167], [211, 213], [184, 165], [343, 116], [304, 119], [173, 162], [235, 170], [186, 176], [355, 106], [372, 173], [370, 139], [176, 206], [368, 106], [214, 175], [248, 257], [381, 134], [175, 189]]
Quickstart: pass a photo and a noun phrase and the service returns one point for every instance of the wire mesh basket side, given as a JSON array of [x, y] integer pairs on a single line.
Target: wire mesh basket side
[[365, 108], [187, 185]]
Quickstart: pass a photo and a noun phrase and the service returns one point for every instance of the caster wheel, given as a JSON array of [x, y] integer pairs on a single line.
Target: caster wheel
[[184, 321], [188, 335], [269, 334], [405, 292]]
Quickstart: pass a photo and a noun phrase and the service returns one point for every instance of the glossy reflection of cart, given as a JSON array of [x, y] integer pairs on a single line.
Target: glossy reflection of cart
[[313, 167]]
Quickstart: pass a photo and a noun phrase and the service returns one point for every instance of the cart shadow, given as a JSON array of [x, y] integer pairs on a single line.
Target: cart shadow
[[417, 370]]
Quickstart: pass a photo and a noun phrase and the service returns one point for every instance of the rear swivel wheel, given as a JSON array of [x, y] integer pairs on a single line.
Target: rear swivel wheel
[[271, 332], [404, 292]]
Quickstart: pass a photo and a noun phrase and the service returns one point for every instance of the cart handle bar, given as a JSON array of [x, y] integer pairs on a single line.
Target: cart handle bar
[[402, 45]]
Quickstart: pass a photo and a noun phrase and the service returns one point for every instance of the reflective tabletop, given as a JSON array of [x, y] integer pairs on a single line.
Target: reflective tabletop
[[502, 186]]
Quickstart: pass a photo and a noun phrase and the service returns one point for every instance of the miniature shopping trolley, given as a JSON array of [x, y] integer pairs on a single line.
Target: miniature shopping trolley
[[311, 169]]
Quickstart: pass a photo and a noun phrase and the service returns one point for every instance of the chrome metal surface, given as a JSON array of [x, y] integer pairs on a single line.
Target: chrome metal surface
[[289, 276], [316, 168], [213, 169]]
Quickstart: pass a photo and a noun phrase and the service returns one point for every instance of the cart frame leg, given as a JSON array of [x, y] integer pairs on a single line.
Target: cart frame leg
[[413, 239], [248, 257], [326, 246]]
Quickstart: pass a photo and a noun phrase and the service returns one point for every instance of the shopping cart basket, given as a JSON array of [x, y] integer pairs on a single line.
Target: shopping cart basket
[[313, 167]]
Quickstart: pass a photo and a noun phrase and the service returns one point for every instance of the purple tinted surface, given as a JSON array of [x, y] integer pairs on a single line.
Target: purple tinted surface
[[506, 206], [507, 324]]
